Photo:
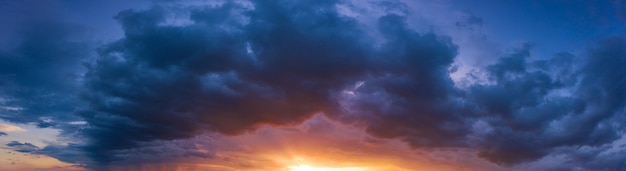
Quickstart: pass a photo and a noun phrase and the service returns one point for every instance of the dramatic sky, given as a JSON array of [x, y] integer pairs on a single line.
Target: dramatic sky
[[313, 85]]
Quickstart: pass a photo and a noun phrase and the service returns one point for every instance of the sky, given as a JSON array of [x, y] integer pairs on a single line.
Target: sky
[[313, 85]]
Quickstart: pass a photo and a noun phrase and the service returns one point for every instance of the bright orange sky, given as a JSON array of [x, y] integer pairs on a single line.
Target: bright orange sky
[[317, 145]]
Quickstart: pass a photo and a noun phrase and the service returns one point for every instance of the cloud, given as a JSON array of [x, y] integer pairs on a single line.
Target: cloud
[[517, 106], [232, 68], [70, 153], [228, 79], [565, 103], [603, 157], [22, 147], [3, 134], [41, 63], [414, 98], [277, 64], [10, 128]]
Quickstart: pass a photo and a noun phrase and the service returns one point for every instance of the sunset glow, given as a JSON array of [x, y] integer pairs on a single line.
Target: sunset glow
[[310, 168]]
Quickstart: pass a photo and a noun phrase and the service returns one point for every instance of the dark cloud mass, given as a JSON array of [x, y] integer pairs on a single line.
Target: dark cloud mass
[[541, 105], [169, 82], [182, 71], [41, 64], [289, 61], [233, 67]]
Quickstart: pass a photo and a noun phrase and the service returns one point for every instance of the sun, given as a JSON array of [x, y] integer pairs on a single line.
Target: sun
[[303, 168], [310, 168]]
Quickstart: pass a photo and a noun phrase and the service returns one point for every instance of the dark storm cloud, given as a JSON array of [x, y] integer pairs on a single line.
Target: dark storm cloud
[[517, 105], [170, 82], [180, 71], [414, 97], [538, 106], [40, 65], [22, 147], [231, 68], [603, 81]]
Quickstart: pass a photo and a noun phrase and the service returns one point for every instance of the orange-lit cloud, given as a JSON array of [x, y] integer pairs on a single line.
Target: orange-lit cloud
[[318, 144]]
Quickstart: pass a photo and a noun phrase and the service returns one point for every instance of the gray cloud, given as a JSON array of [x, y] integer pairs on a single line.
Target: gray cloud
[[564, 103], [22, 147]]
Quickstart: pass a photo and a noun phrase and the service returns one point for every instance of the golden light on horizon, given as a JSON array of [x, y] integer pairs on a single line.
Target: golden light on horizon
[[318, 145], [311, 168]]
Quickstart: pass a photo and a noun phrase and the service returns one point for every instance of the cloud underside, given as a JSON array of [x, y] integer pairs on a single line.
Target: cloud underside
[[235, 67]]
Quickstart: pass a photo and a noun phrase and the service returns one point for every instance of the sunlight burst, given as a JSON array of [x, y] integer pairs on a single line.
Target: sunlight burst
[[310, 168]]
